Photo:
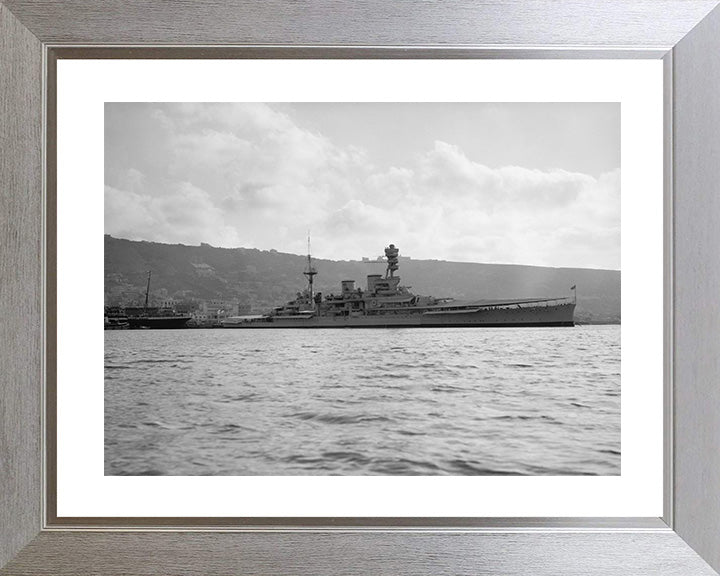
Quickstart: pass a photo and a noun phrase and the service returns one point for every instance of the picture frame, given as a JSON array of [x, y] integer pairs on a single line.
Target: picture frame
[[684, 34]]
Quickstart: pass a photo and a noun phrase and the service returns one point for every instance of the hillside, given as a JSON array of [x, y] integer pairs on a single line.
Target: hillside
[[263, 279]]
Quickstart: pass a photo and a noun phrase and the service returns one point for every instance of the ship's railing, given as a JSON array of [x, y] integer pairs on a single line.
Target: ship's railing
[[540, 303], [544, 302]]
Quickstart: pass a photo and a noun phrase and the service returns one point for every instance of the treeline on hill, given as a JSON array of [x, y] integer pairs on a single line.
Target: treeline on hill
[[261, 279]]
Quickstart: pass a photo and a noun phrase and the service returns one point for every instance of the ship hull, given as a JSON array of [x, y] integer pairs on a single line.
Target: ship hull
[[506, 317], [159, 322]]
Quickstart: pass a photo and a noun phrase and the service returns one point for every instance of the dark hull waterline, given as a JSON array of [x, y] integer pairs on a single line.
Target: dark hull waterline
[[159, 323], [276, 325]]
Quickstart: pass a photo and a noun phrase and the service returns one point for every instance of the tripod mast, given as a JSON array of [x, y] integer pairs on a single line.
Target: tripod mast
[[310, 272]]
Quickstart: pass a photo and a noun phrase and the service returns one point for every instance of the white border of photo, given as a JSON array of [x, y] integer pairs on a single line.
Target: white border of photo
[[83, 88]]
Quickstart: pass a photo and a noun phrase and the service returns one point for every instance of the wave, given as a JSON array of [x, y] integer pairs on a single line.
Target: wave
[[340, 418]]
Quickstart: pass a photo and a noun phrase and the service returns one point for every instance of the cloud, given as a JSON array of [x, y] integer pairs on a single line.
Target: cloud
[[182, 214], [250, 175]]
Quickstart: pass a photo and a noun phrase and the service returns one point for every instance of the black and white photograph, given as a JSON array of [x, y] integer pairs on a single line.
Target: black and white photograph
[[362, 289]]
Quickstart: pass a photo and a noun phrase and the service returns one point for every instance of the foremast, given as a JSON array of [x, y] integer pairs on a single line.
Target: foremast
[[310, 272]]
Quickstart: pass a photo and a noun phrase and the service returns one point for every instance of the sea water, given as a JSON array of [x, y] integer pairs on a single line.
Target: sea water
[[410, 401]]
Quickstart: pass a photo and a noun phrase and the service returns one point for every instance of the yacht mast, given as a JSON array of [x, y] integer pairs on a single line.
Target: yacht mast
[[147, 292]]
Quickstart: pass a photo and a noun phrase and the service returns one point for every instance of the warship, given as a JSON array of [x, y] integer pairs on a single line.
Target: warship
[[384, 303]]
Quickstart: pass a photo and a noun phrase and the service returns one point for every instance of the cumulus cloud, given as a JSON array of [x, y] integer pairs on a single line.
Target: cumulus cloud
[[183, 212], [251, 175]]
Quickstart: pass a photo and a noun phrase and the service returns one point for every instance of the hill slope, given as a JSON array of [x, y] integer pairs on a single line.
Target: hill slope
[[263, 279]]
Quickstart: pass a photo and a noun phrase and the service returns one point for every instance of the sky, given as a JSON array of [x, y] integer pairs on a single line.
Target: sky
[[516, 183]]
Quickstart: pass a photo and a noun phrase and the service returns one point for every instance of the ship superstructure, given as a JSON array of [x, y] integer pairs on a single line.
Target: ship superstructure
[[385, 303]]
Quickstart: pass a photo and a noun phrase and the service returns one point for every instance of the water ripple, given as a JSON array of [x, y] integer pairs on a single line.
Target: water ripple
[[347, 402]]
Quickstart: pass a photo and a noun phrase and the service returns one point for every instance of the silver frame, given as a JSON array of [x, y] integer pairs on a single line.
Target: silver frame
[[685, 33]]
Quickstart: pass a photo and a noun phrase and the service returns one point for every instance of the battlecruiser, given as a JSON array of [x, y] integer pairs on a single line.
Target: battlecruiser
[[384, 303]]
